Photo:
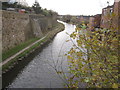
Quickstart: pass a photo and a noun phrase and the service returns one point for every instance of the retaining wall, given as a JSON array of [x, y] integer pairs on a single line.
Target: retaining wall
[[18, 28]]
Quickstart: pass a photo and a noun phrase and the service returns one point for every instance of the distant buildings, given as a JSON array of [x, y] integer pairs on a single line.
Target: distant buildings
[[107, 16], [91, 24], [83, 19], [97, 19], [110, 18], [94, 22]]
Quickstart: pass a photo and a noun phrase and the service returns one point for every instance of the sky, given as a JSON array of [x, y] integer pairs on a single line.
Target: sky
[[73, 7]]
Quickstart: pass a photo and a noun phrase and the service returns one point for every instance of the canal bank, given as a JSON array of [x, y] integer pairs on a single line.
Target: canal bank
[[35, 71], [40, 43]]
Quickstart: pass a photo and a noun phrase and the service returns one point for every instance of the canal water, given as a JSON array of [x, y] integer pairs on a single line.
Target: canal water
[[40, 71]]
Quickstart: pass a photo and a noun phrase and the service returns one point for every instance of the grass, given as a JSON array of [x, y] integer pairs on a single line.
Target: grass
[[9, 64], [23, 45], [16, 49]]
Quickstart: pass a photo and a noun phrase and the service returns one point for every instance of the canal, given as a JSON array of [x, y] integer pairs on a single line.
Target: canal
[[40, 71]]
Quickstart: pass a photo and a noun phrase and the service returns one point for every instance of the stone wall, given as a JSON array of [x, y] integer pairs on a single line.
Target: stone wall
[[18, 28], [13, 29]]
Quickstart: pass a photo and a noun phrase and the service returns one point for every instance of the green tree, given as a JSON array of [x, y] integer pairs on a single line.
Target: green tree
[[36, 7], [67, 18], [6, 5]]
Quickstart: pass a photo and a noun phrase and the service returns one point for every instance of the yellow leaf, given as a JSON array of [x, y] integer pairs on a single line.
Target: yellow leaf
[[69, 57], [115, 85], [59, 72], [67, 40]]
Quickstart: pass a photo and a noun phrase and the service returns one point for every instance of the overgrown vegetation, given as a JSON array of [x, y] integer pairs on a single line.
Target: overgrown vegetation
[[16, 49], [10, 63], [93, 59], [39, 10], [15, 5], [36, 8], [74, 19]]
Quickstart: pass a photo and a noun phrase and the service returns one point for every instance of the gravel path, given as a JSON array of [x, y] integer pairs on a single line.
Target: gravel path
[[12, 57]]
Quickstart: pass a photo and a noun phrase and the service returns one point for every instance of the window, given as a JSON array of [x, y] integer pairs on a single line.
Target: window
[[111, 10], [104, 11]]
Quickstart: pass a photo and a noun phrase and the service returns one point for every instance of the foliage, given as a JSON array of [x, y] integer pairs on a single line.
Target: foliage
[[47, 38], [15, 5], [94, 59], [8, 53], [36, 7], [46, 12], [38, 10], [8, 5], [74, 19], [67, 18]]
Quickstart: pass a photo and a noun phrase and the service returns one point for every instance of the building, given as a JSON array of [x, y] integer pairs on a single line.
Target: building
[[106, 18], [97, 19], [91, 24], [116, 17], [110, 18], [94, 22], [83, 19]]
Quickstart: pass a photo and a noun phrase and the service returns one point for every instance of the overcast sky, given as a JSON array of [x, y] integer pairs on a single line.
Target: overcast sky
[[74, 7]]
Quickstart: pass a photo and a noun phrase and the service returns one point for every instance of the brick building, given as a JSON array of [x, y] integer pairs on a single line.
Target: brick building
[[110, 18], [106, 18], [116, 17], [97, 19], [83, 19], [91, 24]]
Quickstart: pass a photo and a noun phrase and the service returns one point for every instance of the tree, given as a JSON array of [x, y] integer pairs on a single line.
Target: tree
[[36, 7], [67, 18], [93, 59], [6, 5]]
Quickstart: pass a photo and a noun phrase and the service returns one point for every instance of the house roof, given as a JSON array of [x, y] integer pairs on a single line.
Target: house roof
[[108, 7]]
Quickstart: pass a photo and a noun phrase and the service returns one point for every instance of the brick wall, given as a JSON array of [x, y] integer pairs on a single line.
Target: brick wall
[[110, 18], [97, 20], [116, 17], [106, 19], [91, 24]]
